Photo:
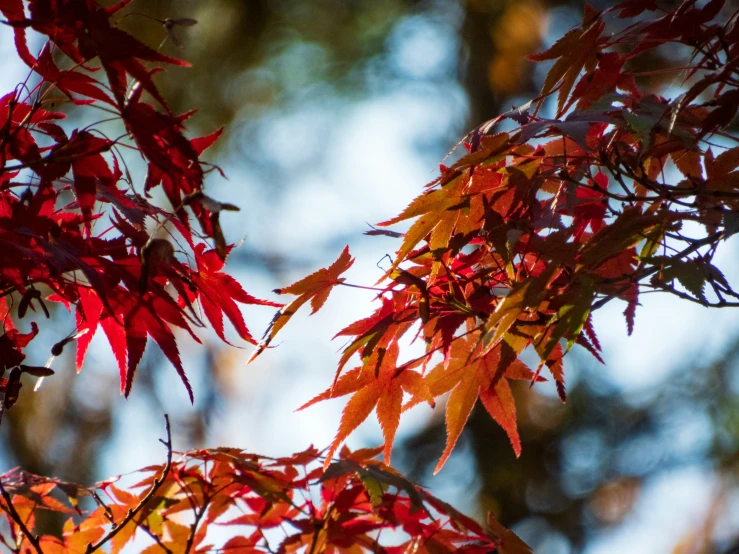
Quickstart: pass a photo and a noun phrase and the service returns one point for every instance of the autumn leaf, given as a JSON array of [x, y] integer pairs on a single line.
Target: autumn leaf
[[689, 273], [525, 295], [507, 542], [720, 171], [514, 246], [576, 50], [458, 409], [468, 374], [316, 287], [14, 13], [626, 231], [499, 403], [218, 293], [571, 316], [69, 82], [428, 205], [375, 385]]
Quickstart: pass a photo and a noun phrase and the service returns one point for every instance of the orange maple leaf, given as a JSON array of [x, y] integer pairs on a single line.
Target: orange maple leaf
[[315, 287], [375, 386]]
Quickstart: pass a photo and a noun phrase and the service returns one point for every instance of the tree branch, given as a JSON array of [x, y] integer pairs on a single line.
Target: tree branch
[[705, 303], [198, 516], [154, 488], [15, 516]]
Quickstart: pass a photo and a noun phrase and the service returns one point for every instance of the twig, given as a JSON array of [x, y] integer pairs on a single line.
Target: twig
[[104, 506], [198, 516], [7, 545], [156, 538], [15, 516], [705, 303], [144, 501]]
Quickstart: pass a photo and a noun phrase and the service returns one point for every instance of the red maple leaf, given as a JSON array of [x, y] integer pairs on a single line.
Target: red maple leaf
[[218, 293]]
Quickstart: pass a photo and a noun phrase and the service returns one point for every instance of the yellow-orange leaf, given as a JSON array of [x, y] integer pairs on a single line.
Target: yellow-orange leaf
[[325, 277], [315, 287], [433, 201], [415, 234], [358, 408], [506, 540], [458, 409], [499, 403], [415, 385], [375, 384], [443, 378], [348, 383], [388, 414], [439, 241]]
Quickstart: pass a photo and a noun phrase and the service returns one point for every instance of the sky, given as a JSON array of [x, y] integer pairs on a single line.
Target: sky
[[353, 163]]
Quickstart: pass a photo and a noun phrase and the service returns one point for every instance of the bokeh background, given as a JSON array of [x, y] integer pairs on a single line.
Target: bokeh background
[[336, 114]]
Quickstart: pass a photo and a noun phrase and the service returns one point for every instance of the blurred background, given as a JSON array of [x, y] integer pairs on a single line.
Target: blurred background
[[336, 113]]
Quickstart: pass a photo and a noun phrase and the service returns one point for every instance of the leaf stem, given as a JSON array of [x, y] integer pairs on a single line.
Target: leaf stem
[[362, 287]]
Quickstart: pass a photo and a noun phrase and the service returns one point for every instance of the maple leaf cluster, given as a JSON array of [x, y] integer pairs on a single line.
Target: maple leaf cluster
[[74, 229], [600, 191], [260, 504]]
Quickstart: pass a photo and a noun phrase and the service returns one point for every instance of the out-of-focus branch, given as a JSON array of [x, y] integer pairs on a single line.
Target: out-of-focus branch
[[145, 500]]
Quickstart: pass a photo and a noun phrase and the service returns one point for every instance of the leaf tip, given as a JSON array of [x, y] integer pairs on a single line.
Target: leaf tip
[[440, 463], [254, 355]]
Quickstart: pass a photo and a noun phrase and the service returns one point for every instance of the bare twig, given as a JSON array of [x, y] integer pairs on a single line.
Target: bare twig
[[104, 506], [198, 516], [722, 303], [15, 516], [7, 545], [144, 501]]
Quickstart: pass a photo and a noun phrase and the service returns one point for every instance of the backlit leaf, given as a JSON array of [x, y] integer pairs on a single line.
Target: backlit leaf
[[315, 287], [458, 409], [499, 403]]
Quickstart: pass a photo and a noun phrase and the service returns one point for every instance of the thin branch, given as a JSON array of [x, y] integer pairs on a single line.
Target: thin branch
[[15, 516], [104, 506], [193, 530], [144, 501], [143, 525], [705, 303], [5, 543]]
